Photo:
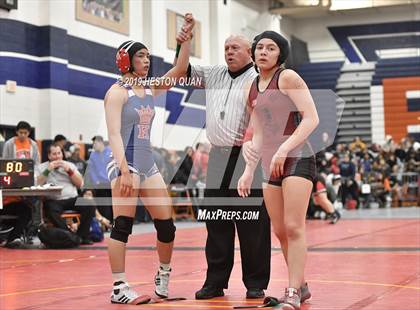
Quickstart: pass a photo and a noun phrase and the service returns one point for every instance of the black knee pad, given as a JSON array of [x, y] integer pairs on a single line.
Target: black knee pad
[[165, 230], [121, 228]]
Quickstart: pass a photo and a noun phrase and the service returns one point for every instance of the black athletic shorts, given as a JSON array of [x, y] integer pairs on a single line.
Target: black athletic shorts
[[294, 166]]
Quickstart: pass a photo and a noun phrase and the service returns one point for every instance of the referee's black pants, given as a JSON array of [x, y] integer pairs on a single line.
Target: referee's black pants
[[225, 167]]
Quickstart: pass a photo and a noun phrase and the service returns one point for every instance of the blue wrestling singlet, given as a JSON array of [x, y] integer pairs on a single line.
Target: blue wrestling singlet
[[136, 121]]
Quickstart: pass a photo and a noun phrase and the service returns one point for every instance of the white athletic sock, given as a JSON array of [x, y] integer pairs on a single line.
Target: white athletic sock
[[119, 276], [166, 267]]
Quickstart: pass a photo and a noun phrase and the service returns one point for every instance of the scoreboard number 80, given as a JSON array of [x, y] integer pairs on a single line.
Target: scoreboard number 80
[[14, 167]]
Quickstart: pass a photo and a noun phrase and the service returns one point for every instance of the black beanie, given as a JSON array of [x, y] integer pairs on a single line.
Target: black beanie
[[132, 47], [280, 41]]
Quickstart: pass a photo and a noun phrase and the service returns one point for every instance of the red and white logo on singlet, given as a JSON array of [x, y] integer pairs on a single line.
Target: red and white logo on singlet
[[145, 117]]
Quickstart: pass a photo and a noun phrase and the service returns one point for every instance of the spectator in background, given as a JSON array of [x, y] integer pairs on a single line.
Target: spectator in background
[[184, 166], [412, 160], [347, 168], [21, 146], [169, 168], [340, 151], [385, 169], [348, 173], [389, 145], [76, 159], [200, 163], [160, 162], [65, 174], [87, 194], [327, 143], [97, 164], [357, 145], [173, 159], [334, 165], [62, 142], [366, 163], [395, 182], [392, 160]]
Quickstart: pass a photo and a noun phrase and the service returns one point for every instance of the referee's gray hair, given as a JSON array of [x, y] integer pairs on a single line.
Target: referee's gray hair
[[240, 37]]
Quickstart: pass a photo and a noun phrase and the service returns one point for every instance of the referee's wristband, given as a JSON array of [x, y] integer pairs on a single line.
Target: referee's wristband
[[178, 48], [46, 172]]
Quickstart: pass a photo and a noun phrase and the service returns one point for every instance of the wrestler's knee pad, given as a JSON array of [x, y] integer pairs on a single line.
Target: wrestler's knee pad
[[122, 228], [165, 230]]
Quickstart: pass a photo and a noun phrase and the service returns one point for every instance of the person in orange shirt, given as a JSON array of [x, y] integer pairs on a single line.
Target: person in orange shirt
[[21, 146]]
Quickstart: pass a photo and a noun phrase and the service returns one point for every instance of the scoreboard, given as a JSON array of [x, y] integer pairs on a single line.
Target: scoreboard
[[16, 173]]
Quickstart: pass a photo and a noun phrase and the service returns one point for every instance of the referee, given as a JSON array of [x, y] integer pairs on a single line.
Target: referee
[[226, 123]]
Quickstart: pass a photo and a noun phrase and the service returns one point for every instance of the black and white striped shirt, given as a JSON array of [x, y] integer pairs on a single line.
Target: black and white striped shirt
[[226, 114]]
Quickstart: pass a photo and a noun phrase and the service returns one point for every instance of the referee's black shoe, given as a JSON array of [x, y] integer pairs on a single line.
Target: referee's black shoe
[[254, 293], [208, 292]]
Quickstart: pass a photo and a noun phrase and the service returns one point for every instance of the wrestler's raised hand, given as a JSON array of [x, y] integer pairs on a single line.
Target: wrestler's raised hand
[[189, 23]]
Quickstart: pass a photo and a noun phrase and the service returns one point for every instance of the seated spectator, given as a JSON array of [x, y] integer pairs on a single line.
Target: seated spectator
[[340, 151], [380, 188], [103, 221], [347, 168], [184, 166], [412, 160], [366, 163], [349, 185], [357, 145], [63, 173], [76, 159], [392, 160], [334, 165]]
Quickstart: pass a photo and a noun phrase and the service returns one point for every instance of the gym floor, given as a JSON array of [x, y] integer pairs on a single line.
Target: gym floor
[[368, 260]]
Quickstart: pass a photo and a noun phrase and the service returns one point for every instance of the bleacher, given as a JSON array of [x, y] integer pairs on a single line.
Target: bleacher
[[396, 67], [353, 86], [321, 75]]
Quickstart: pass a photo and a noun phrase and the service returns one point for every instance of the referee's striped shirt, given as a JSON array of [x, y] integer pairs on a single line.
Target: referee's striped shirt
[[226, 114]]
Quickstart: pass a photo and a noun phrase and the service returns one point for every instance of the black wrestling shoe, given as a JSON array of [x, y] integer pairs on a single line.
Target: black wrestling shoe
[[208, 292], [254, 293], [86, 242], [335, 217]]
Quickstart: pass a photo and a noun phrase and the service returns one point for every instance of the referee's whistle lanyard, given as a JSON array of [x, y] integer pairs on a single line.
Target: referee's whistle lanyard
[[222, 113]]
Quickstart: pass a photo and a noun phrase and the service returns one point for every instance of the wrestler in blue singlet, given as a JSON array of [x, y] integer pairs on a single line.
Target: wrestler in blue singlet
[[136, 122]]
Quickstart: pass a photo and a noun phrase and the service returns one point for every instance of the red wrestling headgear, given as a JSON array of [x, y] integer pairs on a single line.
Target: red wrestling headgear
[[125, 54]]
